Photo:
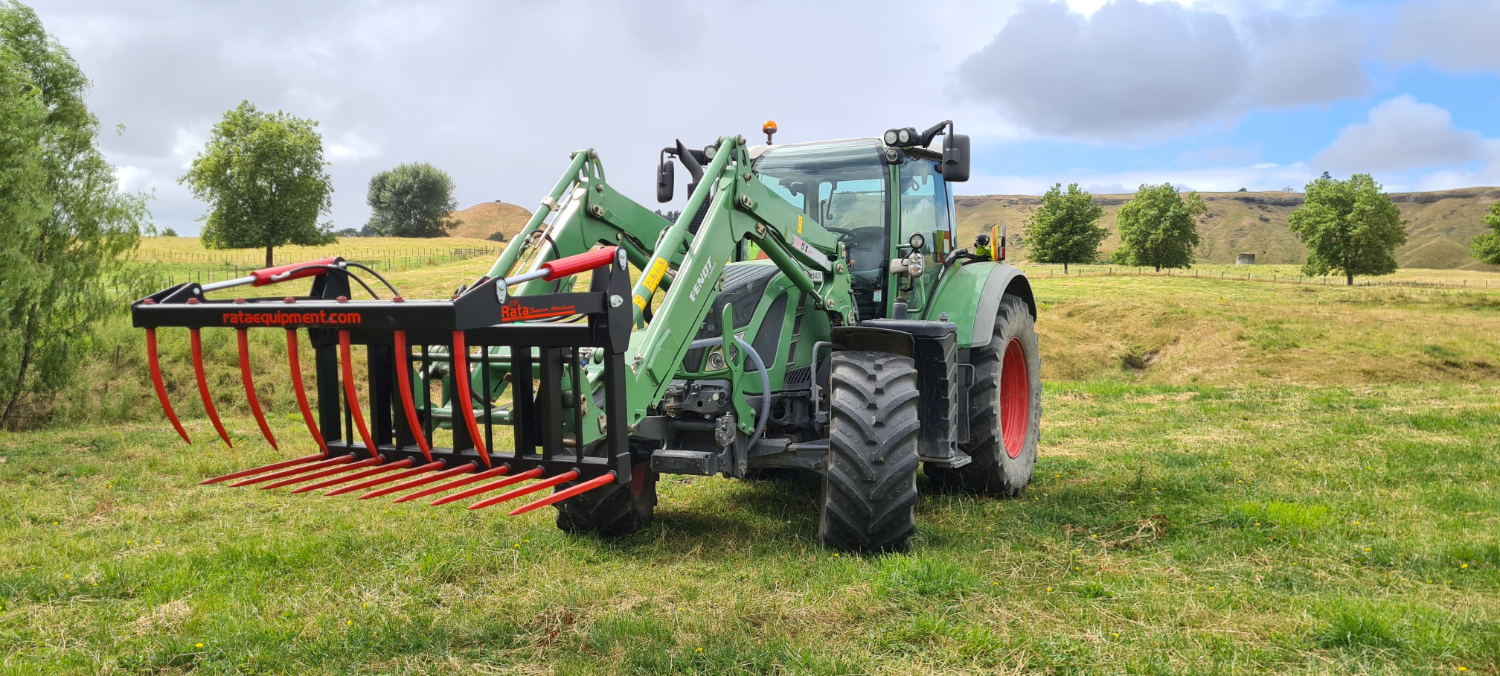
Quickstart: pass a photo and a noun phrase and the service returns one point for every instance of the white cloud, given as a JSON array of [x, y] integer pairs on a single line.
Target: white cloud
[[1457, 35], [1136, 71], [1308, 60], [1402, 133], [497, 94], [352, 147]]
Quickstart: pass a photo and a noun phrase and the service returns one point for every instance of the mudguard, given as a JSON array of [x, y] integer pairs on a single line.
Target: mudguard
[[971, 296]]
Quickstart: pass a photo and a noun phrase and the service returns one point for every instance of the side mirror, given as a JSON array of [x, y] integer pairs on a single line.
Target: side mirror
[[665, 179], [955, 163]]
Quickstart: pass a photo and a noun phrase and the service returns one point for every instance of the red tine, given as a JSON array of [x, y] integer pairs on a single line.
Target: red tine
[[462, 400], [267, 468], [403, 379], [161, 387], [331, 462], [559, 496], [296, 364], [260, 419], [526, 490], [320, 474], [497, 471], [461, 469], [352, 396], [422, 469], [208, 400], [378, 469], [492, 486]]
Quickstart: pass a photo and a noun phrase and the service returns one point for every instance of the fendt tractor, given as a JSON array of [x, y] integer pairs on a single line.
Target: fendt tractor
[[806, 310]]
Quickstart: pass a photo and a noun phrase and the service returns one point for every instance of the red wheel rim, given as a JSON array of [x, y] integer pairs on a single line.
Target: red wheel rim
[[1015, 399]]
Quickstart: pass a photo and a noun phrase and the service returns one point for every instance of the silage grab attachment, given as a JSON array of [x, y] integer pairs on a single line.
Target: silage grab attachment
[[549, 350]]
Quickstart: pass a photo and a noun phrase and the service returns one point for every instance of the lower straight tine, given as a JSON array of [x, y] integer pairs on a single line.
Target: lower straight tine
[[331, 462], [242, 336], [414, 483], [378, 469], [526, 490], [267, 468], [492, 486], [422, 469], [347, 364], [296, 366], [492, 472], [559, 496], [208, 399], [161, 387], [320, 474]]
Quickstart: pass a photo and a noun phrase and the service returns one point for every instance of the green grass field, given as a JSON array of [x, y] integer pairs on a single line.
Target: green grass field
[[1235, 477]]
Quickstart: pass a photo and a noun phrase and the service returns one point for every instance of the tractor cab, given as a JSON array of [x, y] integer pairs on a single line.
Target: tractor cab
[[887, 199]]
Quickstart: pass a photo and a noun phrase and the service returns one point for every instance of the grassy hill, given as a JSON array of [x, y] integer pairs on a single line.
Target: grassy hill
[[1439, 224], [484, 219]]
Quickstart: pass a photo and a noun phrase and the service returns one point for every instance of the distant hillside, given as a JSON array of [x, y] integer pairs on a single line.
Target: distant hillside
[[482, 220], [1439, 224]]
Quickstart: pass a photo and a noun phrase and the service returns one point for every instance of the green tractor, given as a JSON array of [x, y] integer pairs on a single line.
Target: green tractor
[[806, 311]]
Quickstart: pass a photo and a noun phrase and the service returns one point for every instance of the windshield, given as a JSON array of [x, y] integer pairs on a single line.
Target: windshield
[[841, 185]]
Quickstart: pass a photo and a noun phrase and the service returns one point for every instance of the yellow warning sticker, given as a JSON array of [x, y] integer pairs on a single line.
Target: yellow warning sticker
[[799, 225], [653, 278], [640, 303]]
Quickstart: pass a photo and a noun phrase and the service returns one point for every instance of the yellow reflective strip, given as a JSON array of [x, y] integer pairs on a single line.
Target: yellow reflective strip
[[653, 278], [799, 225]]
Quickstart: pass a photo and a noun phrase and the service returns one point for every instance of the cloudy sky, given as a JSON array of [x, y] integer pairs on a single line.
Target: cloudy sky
[[1213, 95]]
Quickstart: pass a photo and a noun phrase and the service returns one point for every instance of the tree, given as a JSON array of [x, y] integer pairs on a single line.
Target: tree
[[1158, 227], [263, 178], [412, 200], [169, 232], [1063, 230], [1486, 247], [65, 226], [1348, 226]]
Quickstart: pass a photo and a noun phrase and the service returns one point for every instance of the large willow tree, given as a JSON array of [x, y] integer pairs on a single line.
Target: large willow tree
[[64, 224]]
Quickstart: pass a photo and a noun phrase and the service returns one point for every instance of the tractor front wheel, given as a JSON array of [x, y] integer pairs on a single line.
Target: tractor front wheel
[[616, 509], [1005, 409], [870, 486]]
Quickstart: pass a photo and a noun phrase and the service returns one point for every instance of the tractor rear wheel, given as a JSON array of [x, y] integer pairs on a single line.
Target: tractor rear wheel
[[1005, 409], [611, 510], [870, 486]]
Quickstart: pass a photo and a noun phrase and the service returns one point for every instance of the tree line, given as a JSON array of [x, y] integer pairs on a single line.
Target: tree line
[[1351, 227]]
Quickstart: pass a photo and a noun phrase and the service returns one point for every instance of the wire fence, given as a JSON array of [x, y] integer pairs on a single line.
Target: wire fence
[[1047, 272]]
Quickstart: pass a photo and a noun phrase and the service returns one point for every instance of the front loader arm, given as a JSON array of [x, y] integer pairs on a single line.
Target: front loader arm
[[738, 207]]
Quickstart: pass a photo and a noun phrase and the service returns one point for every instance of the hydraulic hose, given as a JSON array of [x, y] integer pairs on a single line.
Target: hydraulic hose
[[765, 391]]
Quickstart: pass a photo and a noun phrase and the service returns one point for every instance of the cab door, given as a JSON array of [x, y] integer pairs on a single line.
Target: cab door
[[923, 204]]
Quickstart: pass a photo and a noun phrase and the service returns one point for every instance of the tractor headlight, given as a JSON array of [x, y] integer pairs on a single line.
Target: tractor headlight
[[892, 137], [904, 136], [715, 359], [710, 151]]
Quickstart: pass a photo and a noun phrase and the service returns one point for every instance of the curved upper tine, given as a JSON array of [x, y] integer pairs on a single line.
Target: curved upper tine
[[161, 387], [403, 380], [296, 365], [461, 393], [208, 399], [242, 335], [346, 362]]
